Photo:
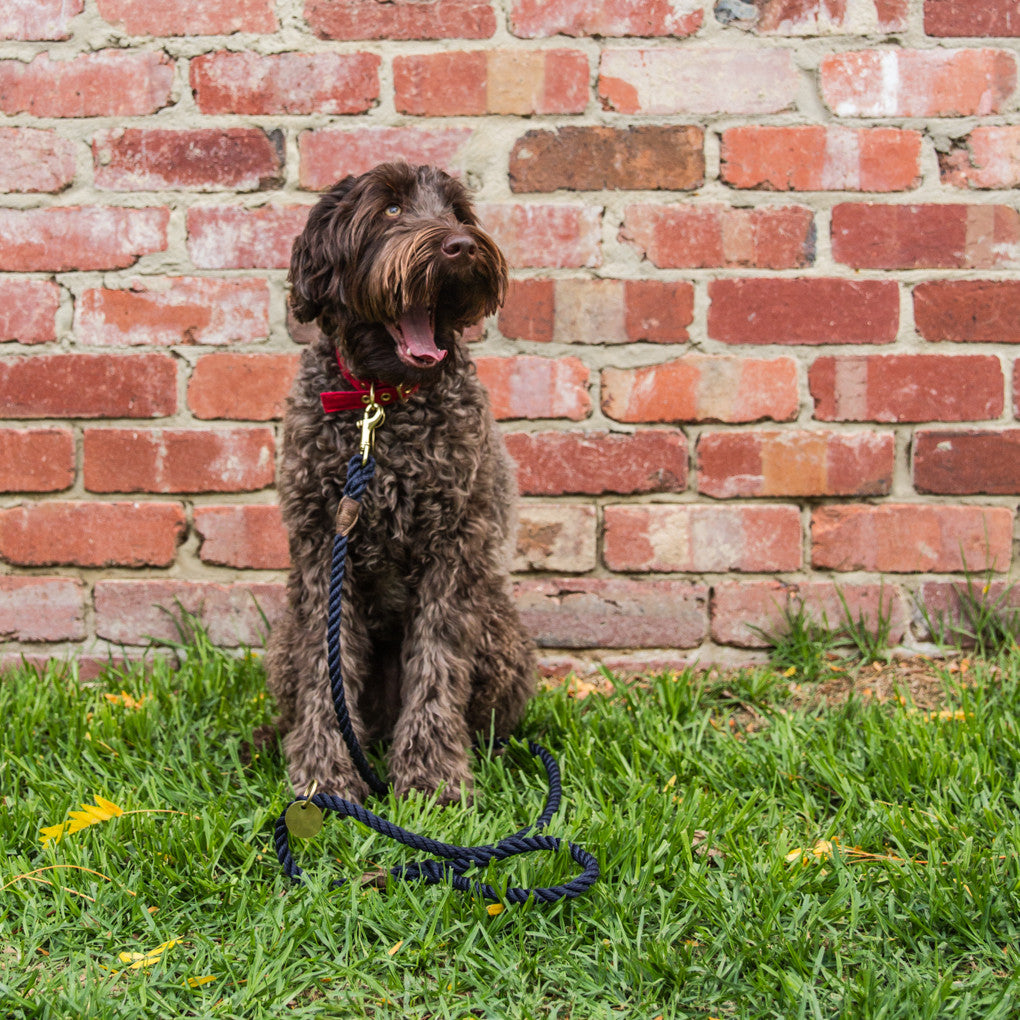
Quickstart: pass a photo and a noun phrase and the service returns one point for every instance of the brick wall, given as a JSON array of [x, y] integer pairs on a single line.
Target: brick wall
[[761, 339]]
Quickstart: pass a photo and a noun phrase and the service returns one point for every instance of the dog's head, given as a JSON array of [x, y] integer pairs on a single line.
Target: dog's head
[[394, 265]]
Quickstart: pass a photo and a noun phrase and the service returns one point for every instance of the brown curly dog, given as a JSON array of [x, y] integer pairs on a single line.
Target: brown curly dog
[[394, 266]]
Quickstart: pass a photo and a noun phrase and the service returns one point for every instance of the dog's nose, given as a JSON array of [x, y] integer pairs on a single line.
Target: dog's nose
[[457, 246]]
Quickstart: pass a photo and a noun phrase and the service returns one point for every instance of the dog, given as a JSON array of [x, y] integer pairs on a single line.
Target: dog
[[393, 266]]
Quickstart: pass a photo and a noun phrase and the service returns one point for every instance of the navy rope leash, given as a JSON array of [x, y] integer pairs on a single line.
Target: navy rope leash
[[453, 861]]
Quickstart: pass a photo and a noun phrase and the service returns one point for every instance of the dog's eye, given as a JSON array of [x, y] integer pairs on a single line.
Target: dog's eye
[[393, 209]]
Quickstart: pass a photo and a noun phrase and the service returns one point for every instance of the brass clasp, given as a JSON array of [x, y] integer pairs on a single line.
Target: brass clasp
[[373, 417]]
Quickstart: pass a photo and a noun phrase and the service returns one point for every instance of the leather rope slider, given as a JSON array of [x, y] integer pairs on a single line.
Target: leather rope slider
[[449, 860]]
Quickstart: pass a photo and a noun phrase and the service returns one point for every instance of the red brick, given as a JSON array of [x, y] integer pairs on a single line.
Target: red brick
[[38, 19], [703, 388], [650, 156], [204, 159], [719, 236], [588, 612], [246, 537], [556, 537], [905, 538], [593, 463], [178, 460], [174, 310], [534, 387], [91, 534], [401, 19], [935, 236], [818, 158], [507, 82], [803, 311], [975, 18], [88, 386], [700, 81], [133, 611], [697, 539], [32, 160], [110, 83], [60, 239], [826, 17], [741, 612], [949, 607], [554, 236], [980, 311], [796, 462], [967, 463], [906, 387], [530, 19], [988, 157], [234, 237], [36, 460], [918, 83], [189, 17], [28, 310], [583, 310], [42, 608], [245, 387], [285, 83], [328, 154]]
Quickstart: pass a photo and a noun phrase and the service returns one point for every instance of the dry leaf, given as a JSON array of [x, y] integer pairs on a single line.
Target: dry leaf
[[196, 982], [126, 700], [393, 949], [102, 811]]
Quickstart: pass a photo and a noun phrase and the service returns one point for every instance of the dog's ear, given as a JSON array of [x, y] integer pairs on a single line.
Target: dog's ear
[[316, 257]]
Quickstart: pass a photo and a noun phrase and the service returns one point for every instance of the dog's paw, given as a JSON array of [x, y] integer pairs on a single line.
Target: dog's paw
[[347, 787], [455, 787]]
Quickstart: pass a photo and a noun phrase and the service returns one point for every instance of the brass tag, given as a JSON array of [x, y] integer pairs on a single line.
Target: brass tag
[[303, 819]]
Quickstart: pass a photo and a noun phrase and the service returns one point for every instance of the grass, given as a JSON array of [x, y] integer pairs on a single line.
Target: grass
[[707, 801]]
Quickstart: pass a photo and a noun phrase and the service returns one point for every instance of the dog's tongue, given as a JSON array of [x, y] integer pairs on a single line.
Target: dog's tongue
[[419, 336]]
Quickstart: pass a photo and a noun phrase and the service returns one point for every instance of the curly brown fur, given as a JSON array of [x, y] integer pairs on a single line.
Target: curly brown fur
[[393, 266]]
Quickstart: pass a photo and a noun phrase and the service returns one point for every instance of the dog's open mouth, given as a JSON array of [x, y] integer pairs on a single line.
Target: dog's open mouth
[[415, 336]]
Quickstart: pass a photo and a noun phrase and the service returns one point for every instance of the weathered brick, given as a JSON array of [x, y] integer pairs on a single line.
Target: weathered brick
[[91, 534], [592, 463], [554, 236], [911, 538], [42, 608], [36, 460], [918, 83], [38, 19], [60, 239], [987, 157], [200, 159], [906, 387], [947, 608], [557, 537], [132, 611], [796, 462], [189, 17], [803, 311], [32, 160], [583, 310], [244, 387], [401, 19], [718, 236], [88, 386], [110, 83], [531, 19], [588, 612], [818, 158], [821, 17], [932, 236], [746, 614], [975, 18], [178, 460], [328, 154], [967, 463], [507, 82], [703, 388], [696, 539], [651, 156], [247, 537], [980, 311], [28, 310], [233, 237], [700, 81], [285, 83], [534, 387]]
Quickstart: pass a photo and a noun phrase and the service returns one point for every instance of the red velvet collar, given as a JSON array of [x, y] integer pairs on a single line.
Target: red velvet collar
[[358, 398]]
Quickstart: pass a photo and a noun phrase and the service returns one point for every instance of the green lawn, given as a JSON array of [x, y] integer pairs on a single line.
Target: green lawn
[[692, 794]]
